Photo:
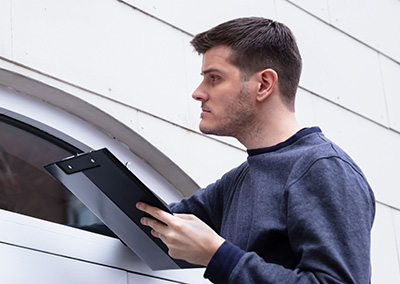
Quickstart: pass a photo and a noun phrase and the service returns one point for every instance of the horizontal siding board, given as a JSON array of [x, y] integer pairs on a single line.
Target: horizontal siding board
[[370, 21], [38, 267]]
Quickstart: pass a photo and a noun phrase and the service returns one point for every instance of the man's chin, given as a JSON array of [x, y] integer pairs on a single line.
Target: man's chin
[[212, 131], [206, 130]]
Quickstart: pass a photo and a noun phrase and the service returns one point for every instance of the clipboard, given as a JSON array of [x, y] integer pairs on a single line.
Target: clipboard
[[111, 191]]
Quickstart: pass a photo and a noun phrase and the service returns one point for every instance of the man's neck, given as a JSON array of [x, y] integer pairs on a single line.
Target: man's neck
[[268, 134]]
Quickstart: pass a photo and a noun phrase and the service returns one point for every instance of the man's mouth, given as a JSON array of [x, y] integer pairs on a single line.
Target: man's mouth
[[204, 111]]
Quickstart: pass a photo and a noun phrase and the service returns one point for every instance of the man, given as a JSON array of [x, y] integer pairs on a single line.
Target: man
[[299, 210]]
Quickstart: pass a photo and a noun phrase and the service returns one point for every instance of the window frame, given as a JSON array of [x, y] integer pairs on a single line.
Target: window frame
[[68, 242]]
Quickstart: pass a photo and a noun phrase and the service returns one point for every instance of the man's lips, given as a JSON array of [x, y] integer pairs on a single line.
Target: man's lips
[[204, 111]]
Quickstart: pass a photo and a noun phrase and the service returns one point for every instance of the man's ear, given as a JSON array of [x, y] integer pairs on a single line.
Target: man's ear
[[267, 80]]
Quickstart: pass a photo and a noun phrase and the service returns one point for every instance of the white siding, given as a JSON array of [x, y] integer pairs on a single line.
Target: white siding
[[385, 259], [375, 23], [19, 265], [197, 16], [5, 29], [391, 78]]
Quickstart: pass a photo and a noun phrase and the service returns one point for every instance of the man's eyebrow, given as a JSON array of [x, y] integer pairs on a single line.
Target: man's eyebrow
[[210, 70]]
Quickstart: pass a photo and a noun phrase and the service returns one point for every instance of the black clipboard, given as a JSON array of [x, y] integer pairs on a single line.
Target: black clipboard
[[111, 191]]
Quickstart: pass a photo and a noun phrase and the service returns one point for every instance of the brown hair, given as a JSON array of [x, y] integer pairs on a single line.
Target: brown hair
[[258, 44]]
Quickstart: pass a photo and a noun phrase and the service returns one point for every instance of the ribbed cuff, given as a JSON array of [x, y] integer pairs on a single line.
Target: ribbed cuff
[[222, 263]]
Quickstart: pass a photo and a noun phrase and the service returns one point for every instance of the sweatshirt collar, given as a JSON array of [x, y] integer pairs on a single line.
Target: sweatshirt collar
[[301, 133]]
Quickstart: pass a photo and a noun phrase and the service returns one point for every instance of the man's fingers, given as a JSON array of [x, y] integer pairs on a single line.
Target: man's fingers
[[159, 221], [161, 218], [154, 211], [157, 227]]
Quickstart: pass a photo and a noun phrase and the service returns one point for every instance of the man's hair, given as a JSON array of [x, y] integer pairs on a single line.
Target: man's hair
[[257, 44]]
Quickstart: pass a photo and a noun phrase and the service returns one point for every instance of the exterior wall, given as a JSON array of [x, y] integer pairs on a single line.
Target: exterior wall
[[132, 59]]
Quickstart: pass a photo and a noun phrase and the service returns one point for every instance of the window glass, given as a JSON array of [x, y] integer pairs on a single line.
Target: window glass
[[26, 187]]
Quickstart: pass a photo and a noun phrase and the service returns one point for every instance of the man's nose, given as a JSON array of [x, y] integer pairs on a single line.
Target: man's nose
[[199, 94]]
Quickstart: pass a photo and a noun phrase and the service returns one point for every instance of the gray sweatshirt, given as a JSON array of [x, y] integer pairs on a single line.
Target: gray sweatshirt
[[298, 212]]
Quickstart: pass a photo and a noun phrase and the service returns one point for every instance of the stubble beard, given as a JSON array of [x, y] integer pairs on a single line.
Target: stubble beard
[[238, 119]]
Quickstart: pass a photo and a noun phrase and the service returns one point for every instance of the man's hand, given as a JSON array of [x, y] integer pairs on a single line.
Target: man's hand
[[186, 236]]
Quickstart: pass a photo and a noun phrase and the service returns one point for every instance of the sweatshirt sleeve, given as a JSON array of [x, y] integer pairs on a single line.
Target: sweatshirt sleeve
[[330, 210], [207, 203], [223, 262]]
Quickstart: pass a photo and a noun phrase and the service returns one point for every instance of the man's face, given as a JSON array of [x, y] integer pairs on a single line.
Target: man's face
[[226, 103]]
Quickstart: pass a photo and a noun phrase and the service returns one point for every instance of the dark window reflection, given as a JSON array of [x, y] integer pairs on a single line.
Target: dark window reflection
[[25, 186]]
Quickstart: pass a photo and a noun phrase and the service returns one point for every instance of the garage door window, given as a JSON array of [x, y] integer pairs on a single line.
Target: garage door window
[[25, 186]]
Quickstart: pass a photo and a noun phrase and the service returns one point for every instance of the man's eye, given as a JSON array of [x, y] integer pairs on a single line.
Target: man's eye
[[214, 78]]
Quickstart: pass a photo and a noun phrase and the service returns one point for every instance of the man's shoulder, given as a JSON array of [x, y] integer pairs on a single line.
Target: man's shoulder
[[236, 172], [319, 153], [321, 148]]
